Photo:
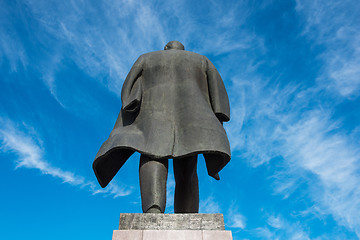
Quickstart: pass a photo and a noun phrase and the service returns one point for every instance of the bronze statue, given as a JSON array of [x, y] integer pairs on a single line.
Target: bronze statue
[[174, 103]]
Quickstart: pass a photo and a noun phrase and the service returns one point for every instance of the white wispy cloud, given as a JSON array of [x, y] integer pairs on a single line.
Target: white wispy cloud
[[334, 24], [315, 144], [279, 228], [11, 47], [319, 157], [270, 121], [209, 205], [259, 107], [30, 153], [103, 49], [104, 39], [234, 218], [113, 189]]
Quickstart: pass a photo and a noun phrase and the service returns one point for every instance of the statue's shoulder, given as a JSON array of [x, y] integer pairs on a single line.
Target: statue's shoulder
[[150, 54], [169, 52], [157, 56], [193, 55]]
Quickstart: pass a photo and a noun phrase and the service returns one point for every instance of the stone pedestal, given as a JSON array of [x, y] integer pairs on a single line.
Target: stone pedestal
[[139, 226]]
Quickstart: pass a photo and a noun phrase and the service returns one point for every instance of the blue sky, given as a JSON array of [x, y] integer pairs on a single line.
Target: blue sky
[[292, 71]]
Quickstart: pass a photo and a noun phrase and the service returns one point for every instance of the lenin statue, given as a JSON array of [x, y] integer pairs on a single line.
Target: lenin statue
[[174, 104]]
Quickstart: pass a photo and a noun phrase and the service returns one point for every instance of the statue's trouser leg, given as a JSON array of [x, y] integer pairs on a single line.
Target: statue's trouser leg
[[153, 177], [186, 185]]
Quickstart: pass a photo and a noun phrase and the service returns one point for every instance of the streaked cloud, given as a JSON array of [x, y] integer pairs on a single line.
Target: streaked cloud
[[30, 155], [12, 48], [106, 50], [259, 109], [209, 205], [316, 145], [278, 228], [235, 219], [334, 25], [319, 157]]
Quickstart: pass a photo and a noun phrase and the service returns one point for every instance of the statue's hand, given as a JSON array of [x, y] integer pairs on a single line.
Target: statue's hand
[[131, 103], [132, 106]]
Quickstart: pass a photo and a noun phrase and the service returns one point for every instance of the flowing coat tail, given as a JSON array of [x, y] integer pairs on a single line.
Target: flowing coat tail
[[150, 124]]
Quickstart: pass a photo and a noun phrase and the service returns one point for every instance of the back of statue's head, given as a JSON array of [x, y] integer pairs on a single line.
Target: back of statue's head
[[174, 45]]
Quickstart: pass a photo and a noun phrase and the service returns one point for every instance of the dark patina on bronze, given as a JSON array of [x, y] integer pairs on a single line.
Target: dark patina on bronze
[[174, 103]]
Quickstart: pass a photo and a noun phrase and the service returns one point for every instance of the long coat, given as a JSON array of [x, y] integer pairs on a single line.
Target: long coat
[[174, 103]]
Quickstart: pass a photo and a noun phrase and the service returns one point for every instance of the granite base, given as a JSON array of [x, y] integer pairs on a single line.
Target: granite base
[[135, 226]]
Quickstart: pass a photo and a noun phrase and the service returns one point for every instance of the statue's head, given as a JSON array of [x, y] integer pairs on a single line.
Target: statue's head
[[174, 45]]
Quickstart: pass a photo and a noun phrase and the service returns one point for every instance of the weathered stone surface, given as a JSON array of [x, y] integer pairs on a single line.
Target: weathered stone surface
[[149, 221], [216, 235], [172, 234], [127, 235], [150, 226]]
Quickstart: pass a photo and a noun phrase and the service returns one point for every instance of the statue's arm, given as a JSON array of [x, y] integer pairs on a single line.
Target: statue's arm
[[218, 96], [131, 92]]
